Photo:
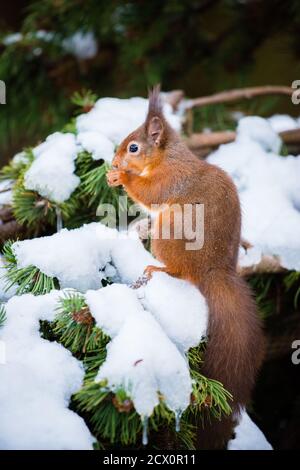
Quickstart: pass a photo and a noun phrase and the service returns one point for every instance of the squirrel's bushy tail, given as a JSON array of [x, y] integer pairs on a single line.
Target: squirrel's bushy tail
[[234, 350]]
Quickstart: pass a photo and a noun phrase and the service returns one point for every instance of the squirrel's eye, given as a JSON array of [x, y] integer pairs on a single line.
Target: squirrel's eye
[[133, 148]]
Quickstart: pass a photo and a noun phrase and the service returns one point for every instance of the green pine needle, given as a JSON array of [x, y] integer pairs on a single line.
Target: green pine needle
[[78, 337], [2, 315], [28, 279]]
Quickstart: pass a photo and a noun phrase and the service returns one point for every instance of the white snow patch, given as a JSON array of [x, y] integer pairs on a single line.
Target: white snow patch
[[249, 257], [269, 189], [82, 45], [79, 256], [85, 255], [37, 381], [283, 122], [6, 193], [97, 144], [52, 172], [179, 308], [248, 436]]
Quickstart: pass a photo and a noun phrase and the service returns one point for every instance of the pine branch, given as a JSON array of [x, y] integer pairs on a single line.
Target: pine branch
[[29, 279], [75, 327]]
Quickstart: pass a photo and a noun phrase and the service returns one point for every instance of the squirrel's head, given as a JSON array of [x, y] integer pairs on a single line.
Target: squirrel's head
[[144, 148]]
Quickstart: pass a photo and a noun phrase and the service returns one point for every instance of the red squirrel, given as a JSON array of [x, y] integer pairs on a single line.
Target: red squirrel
[[155, 166]]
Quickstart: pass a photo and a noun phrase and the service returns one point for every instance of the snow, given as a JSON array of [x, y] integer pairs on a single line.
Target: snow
[[97, 144], [141, 359], [78, 259], [33, 398], [283, 122], [249, 257], [12, 39], [82, 45], [178, 307], [150, 325], [269, 189], [116, 118], [52, 172], [248, 436], [257, 129], [85, 255], [5, 192]]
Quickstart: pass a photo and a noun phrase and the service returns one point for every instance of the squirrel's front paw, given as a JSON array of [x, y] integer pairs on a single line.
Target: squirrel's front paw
[[115, 177]]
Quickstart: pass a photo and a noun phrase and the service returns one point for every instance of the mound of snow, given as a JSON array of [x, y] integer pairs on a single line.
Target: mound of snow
[[37, 381], [100, 147], [269, 189], [283, 122], [248, 436], [5, 192], [52, 172]]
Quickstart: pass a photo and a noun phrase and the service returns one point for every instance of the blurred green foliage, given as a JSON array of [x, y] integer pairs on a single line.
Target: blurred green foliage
[[199, 45]]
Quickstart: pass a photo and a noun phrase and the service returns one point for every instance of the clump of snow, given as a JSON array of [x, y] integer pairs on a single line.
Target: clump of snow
[[12, 39], [257, 129], [79, 256], [5, 192], [283, 122], [100, 147], [37, 381], [141, 358], [249, 257], [81, 45], [52, 172], [178, 307], [269, 189], [248, 436], [116, 118], [84, 256]]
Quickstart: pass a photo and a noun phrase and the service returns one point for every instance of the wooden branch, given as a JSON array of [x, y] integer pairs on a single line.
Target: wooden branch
[[210, 139], [214, 139], [174, 97], [291, 137], [238, 94]]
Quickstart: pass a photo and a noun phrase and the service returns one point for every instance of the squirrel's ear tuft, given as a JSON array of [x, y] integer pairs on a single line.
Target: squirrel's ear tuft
[[155, 104], [155, 130], [155, 120]]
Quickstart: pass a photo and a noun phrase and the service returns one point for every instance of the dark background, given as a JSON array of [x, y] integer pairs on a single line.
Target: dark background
[[199, 46]]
